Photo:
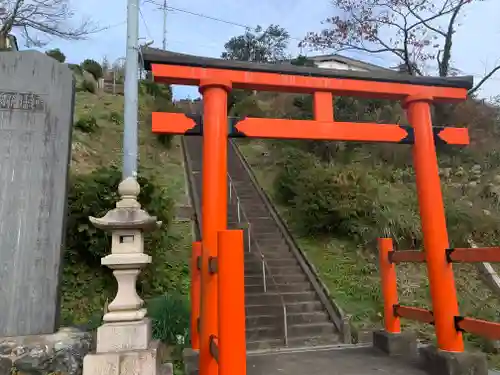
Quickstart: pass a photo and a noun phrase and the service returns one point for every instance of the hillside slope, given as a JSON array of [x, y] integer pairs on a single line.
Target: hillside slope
[[85, 288], [338, 198]]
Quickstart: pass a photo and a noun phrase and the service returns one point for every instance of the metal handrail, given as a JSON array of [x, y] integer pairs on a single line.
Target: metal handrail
[[266, 272]]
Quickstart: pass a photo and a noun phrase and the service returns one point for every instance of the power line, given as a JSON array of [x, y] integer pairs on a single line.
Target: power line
[[232, 23], [163, 7], [247, 27], [145, 24], [202, 15], [219, 19], [164, 25], [111, 26]]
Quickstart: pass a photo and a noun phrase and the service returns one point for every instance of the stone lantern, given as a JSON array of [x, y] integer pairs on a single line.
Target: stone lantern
[[124, 344]]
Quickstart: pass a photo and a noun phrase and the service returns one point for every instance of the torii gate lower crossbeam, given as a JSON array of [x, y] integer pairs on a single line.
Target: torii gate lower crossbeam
[[217, 77]]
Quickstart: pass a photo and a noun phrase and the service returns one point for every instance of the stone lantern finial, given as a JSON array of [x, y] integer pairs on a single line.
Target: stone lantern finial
[[128, 190]]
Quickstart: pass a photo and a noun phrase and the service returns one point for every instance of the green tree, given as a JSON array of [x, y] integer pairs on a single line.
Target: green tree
[[56, 54], [260, 45], [93, 67], [302, 60]]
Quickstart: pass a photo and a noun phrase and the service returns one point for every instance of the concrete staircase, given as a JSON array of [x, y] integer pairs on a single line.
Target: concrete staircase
[[283, 307]]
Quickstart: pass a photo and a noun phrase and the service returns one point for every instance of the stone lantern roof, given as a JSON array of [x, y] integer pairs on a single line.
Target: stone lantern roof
[[128, 213]]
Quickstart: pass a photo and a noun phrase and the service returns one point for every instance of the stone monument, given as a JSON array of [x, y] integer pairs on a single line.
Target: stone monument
[[124, 344], [36, 116]]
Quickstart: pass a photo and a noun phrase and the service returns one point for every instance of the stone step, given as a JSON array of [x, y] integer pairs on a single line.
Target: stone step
[[282, 288], [242, 186], [280, 279], [272, 298], [271, 262], [294, 330], [252, 200], [295, 342], [277, 309], [255, 210], [268, 239], [250, 195], [281, 252], [269, 247], [265, 231], [271, 258], [276, 270], [266, 235], [277, 320], [260, 222]]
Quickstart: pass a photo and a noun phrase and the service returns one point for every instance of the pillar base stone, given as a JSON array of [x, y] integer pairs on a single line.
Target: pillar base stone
[[396, 344], [438, 362], [133, 362], [191, 361], [124, 336]]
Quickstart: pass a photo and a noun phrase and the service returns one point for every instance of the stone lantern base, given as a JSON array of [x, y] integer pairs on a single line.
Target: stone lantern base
[[129, 362]]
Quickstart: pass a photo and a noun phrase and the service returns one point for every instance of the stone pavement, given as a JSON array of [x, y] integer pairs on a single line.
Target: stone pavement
[[332, 361], [343, 360]]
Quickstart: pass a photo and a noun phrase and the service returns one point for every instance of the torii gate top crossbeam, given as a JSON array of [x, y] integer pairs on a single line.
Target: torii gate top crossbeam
[[174, 68]]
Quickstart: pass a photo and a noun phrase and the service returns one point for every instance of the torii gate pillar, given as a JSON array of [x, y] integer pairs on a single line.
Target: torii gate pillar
[[214, 209]]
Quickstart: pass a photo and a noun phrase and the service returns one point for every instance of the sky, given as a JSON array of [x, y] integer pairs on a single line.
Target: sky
[[473, 50]]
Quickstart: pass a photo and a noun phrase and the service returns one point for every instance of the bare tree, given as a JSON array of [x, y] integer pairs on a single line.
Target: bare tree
[[417, 32], [35, 17], [118, 68]]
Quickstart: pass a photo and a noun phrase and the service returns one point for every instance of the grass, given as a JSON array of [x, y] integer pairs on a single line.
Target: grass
[[85, 290], [350, 269]]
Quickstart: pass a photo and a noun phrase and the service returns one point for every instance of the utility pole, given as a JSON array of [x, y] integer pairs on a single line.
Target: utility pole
[[131, 91], [164, 25]]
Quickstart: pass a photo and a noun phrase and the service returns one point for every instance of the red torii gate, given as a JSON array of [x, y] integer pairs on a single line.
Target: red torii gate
[[222, 329]]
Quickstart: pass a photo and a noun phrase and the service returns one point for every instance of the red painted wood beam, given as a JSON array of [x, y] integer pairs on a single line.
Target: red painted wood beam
[[401, 256], [327, 130], [490, 330], [414, 313], [171, 123], [474, 255], [455, 136]]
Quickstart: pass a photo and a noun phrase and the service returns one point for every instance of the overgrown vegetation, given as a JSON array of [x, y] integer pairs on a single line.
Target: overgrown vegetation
[[161, 102], [88, 85], [56, 54], [116, 117], [170, 324], [96, 193], [86, 124], [93, 67]]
